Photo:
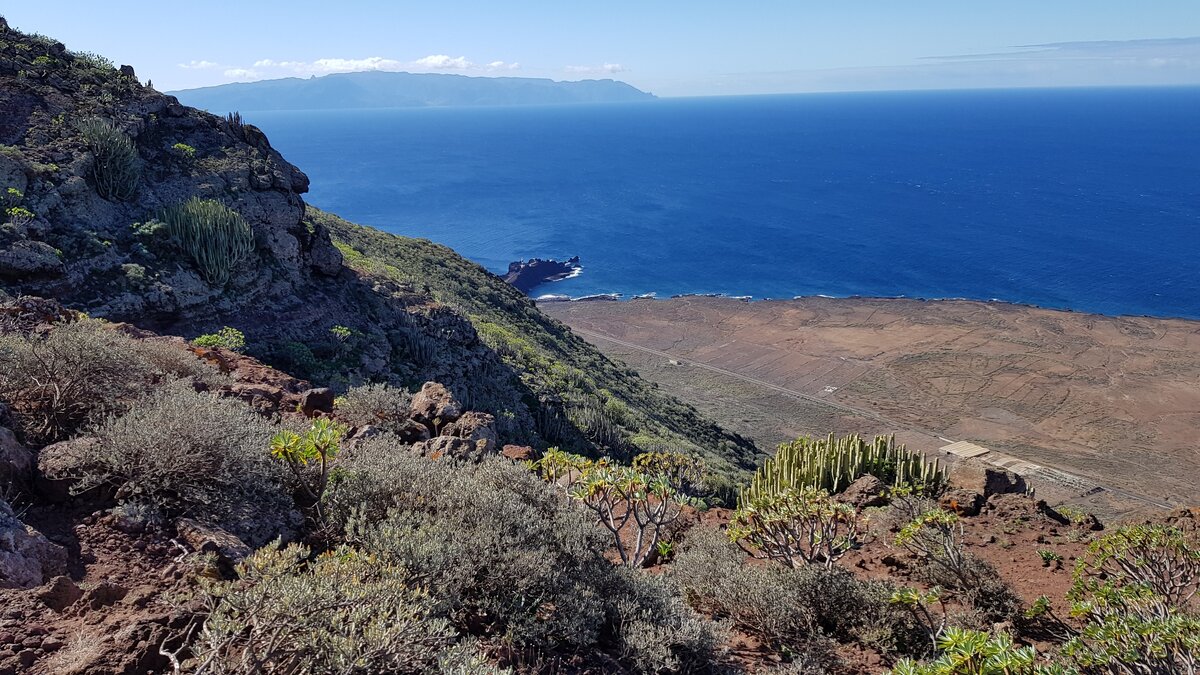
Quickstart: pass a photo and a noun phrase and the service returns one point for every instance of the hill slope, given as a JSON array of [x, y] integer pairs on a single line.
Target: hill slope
[[441, 319], [403, 90]]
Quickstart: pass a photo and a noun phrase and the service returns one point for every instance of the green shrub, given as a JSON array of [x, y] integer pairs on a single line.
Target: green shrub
[[184, 452], [184, 151], [379, 405], [310, 455], [80, 372], [967, 652], [500, 547], [344, 612], [216, 237], [1135, 591], [832, 463], [226, 338], [509, 560], [93, 61], [116, 168]]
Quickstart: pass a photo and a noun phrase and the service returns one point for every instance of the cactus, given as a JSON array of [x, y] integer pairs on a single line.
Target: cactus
[[117, 166], [832, 463], [215, 236]]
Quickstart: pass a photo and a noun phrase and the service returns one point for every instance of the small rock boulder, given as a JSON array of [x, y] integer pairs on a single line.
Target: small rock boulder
[[318, 400], [26, 556], [476, 427], [434, 406], [453, 448], [863, 492], [202, 538], [30, 258], [962, 501], [412, 431], [104, 594], [988, 481], [519, 453], [60, 593]]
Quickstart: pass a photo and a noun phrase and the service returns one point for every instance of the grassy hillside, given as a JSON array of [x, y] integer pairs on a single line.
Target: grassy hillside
[[617, 409]]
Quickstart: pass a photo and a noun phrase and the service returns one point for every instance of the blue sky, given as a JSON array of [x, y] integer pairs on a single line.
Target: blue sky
[[670, 48]]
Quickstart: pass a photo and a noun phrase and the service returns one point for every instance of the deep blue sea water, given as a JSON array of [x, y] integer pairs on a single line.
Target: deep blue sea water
[[1087, 199]]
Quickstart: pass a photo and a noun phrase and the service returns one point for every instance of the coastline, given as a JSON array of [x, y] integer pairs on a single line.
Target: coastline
[[553, 298]]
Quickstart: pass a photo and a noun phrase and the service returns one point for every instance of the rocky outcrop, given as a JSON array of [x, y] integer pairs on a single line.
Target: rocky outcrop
[[865, 492], [434, 406], [974, 486], [448, 431], [525, 275], [266, 389], [101, 252], [16, 462], [476, 428], [26, 557]]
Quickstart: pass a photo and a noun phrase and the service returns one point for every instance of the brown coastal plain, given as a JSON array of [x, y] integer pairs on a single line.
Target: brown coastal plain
[[1095, 410]]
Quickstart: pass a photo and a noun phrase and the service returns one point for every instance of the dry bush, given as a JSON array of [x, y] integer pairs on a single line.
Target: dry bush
[[81, 372], [935, 538], [657, 632], [510, 561], [508, 558], [181, 452], [341, 613], [380, 405], [792, 609]]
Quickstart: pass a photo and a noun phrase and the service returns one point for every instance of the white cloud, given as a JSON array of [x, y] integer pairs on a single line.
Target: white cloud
[[443, 62], [242, 74], [602, 69], [272, 68], [199, 65], [354, 65]]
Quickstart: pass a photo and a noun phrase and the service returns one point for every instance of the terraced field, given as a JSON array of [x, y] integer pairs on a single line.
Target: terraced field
[[1095, 409]]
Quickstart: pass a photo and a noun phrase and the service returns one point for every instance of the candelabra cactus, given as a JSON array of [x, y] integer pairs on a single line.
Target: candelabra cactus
[[116, 167], [832, 463], [215, 236]]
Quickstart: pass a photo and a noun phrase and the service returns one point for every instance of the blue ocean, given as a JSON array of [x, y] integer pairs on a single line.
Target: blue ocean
[[1085, 199]]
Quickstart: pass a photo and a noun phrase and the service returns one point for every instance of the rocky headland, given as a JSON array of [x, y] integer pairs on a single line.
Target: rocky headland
[[526, 275]]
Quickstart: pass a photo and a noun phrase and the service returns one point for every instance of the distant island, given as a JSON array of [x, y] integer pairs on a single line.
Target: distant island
[[403, 90]]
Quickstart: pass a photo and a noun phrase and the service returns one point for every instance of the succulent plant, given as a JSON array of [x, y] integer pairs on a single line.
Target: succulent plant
[[832, 463]]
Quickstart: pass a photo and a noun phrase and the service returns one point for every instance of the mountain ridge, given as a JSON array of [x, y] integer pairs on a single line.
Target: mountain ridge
[[375, 89]]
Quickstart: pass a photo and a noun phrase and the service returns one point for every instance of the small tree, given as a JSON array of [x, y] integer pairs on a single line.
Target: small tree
[[795, 526], [620, 496], [311, 455], [936, 537]]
